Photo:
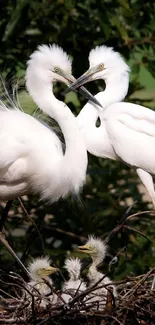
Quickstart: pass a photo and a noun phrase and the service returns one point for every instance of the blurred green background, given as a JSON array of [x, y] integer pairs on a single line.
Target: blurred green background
[[78, 26]]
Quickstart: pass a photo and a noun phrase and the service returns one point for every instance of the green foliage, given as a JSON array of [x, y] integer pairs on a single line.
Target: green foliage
[[78, 26]]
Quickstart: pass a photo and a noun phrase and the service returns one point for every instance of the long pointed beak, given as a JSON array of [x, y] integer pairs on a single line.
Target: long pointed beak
[[86, 77], [82, 90]]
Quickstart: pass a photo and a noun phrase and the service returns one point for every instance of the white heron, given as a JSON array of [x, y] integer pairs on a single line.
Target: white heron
[[127, 131], [32, 159], [75, 284], [97, 249], [40, 269]]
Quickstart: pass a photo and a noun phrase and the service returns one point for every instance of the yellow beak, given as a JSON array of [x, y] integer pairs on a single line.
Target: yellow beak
[[50, 270], [84, 249]]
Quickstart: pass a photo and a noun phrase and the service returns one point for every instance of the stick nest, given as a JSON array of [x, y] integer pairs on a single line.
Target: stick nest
[[134, 305]]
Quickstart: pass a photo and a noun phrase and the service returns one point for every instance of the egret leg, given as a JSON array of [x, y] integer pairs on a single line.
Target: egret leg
[[147, 180], [5, 214], [3, 239]]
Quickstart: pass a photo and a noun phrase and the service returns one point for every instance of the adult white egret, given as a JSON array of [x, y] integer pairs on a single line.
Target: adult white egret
[[39, 270], [127, 131], [97, 249], [32, 159], [75, 284]]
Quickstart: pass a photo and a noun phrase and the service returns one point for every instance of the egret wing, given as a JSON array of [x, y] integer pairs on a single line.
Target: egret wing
[[131, 129]]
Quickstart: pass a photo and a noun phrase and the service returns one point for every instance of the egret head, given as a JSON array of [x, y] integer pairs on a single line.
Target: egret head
[[96, 248], [73, 266], [50, 63], [40, 268], [104, 63]]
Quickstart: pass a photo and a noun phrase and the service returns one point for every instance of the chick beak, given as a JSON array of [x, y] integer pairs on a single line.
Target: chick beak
[[84, 249], [82, 90], [51, 270]]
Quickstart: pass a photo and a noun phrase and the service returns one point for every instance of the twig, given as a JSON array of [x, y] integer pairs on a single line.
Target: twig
[[33, 222], [67, 233], [140, 283], [141, 213], [139, 232], [11, 251], [120, 224]]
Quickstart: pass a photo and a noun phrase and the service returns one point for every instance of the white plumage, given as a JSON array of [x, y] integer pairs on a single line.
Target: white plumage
[[32, 160], [39, 270], [116, 76], [127, 131], [96, 248], [75, 284]]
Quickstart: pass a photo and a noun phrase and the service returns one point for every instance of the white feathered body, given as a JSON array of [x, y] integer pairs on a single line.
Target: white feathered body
[[42, 292], [99, 296], [75, 284], [30, 155], [32, 160], [131, 130], [71, 288], [41, 286]]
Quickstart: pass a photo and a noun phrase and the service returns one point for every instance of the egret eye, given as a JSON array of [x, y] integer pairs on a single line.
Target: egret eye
[[101, 66], [56, 69]]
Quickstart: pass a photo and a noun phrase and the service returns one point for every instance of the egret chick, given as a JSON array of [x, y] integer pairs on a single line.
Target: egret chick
[[75, 283], [96, 248], [39, 270]]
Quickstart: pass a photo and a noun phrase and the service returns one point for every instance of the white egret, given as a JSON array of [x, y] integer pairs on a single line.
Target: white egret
[[32, 159], [39, 270], [127, 130], [75, 283], [96, 248]]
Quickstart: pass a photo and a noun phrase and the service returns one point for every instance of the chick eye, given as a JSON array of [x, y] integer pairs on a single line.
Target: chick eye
[[101, 66], [56, 69]]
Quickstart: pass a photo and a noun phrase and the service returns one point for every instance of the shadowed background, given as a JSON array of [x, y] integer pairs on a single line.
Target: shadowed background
[[111, 187]]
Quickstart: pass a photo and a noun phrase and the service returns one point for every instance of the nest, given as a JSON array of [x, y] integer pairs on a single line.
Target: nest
[[134, 305]]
